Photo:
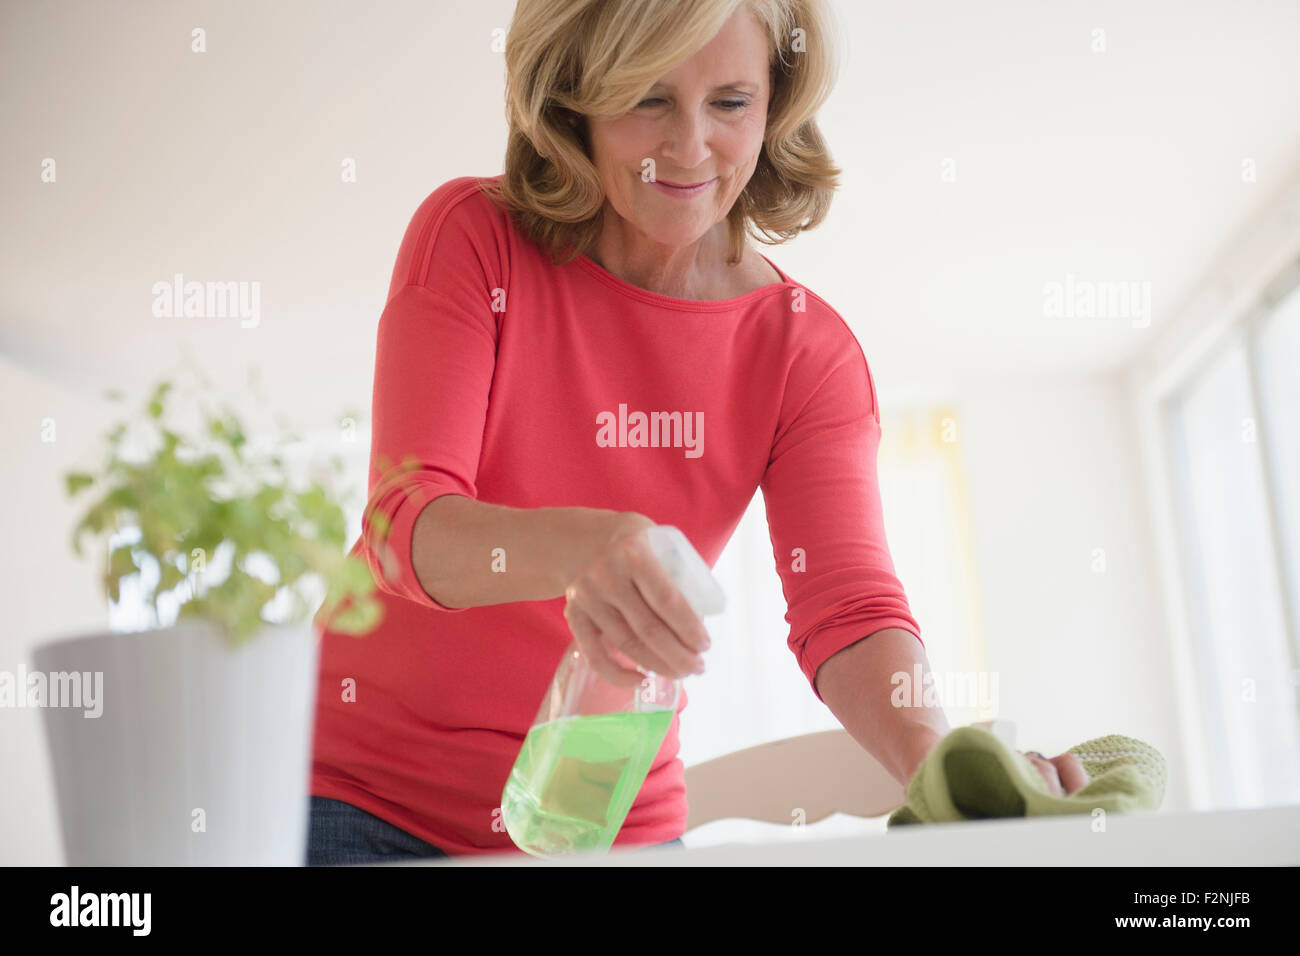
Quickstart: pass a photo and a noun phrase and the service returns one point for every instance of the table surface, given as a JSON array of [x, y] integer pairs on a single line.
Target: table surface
[[1268, 836]]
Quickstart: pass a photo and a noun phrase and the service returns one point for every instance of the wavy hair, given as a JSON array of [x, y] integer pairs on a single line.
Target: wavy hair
[[566, 59]]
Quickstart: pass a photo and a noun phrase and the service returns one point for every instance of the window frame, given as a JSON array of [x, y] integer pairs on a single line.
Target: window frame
[[1228, 310]]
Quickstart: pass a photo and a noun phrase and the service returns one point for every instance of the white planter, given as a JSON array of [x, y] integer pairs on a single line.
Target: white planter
[[202, 753]]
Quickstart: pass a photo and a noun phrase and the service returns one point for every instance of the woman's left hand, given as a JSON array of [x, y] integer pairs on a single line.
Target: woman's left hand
[[1063, 772]]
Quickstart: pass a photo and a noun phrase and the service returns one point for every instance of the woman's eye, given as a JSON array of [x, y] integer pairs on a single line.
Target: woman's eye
[[728, 105]]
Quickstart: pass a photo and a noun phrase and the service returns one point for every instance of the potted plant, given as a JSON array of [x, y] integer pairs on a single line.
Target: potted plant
[[200, 751]]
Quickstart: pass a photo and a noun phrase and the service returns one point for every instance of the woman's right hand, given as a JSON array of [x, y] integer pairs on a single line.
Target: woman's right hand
[[622, 599], [1064, 773]]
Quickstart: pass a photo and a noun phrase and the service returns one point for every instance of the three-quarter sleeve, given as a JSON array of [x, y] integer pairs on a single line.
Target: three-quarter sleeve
[[824, 515], [434, 360]]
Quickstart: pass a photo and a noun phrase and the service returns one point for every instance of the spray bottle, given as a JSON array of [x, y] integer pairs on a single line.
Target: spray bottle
[[592, 743]]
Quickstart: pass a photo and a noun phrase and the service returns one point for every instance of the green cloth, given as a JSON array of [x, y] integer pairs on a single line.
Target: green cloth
[[972, 775]]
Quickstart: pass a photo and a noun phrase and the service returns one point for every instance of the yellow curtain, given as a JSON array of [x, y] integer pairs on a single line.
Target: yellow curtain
[[928, 525]]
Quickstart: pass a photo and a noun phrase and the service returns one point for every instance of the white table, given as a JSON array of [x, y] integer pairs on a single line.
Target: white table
[[1260, 837]]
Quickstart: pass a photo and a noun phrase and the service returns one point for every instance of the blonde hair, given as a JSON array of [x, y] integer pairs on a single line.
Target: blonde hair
[[566, 59]]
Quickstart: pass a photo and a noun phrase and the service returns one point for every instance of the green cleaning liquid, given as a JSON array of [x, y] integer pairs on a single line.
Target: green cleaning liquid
[[577, 777]]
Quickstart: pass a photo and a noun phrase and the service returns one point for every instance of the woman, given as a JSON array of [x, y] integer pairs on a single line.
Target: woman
[[536, 323]]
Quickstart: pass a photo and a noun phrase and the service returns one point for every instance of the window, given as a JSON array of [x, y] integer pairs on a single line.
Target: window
[[1234, 475]]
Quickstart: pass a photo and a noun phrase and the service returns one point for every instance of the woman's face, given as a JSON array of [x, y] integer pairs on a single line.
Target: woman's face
[[701, 123]]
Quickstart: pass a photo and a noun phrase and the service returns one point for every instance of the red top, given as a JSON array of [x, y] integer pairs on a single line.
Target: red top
[[517, 382]]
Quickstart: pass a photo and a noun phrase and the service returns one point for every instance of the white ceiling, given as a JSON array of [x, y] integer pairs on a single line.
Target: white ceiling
[[1123, 165]]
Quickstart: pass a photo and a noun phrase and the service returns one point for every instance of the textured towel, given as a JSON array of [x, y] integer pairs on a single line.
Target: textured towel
[[971, 775]]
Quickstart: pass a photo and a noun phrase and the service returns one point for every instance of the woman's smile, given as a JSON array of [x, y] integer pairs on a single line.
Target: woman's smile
[[683, 192]]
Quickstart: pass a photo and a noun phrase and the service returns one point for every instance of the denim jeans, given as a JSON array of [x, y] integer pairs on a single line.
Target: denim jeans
[[341, 834]]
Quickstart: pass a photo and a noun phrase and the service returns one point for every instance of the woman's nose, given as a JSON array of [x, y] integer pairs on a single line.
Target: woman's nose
[[686, 144]]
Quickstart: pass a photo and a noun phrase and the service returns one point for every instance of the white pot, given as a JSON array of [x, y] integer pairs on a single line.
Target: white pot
[[202, 752]]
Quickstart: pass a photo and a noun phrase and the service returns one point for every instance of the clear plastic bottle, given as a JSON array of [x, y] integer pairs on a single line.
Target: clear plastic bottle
[[592, 743]]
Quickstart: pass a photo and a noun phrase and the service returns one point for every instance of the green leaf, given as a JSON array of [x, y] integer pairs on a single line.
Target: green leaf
[[358, 619], [74, 481], [356, 576], [158, 399], [122, 561], [170, 576], [181, 500], [380, 522]]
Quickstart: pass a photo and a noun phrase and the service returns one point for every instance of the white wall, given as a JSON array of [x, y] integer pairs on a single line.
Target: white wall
[[47, 591], [1054, 475]]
